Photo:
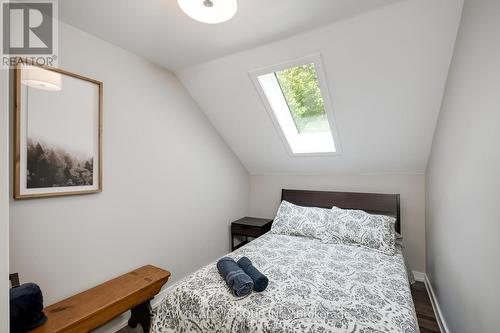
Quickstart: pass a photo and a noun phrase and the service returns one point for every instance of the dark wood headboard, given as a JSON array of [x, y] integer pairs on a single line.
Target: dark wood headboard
[[373, 203]]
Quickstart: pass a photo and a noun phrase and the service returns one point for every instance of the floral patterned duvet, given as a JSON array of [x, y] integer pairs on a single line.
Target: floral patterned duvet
[[313, 287]]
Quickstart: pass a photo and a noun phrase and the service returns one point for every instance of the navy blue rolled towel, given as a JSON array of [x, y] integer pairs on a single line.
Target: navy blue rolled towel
[[240, 283], [260, 281]]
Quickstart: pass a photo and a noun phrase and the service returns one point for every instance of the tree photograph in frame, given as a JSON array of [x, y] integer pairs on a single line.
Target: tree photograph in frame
[[58, 132]]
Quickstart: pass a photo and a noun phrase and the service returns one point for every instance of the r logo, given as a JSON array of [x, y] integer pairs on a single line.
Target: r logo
[[27, 28]]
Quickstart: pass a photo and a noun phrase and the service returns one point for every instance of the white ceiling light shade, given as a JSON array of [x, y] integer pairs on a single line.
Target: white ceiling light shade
[[41, 78], [209, 11]]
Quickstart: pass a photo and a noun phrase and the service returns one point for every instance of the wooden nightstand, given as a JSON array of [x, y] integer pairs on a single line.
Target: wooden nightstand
[[249, 227]]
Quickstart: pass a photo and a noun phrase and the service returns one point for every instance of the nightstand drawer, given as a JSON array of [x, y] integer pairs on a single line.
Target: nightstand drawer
[[248, 230]]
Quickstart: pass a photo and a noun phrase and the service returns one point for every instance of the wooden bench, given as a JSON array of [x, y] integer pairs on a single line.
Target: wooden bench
[[95, 307]]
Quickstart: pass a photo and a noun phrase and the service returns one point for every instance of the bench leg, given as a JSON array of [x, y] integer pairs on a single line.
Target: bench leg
[[141, 314]]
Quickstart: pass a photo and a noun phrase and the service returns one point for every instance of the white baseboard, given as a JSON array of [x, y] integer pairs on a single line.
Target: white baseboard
[[435, 305], [419, 276], [114, 325]]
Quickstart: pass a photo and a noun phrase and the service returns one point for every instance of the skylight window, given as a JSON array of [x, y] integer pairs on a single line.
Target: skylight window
[[295, 95], [302, 94]]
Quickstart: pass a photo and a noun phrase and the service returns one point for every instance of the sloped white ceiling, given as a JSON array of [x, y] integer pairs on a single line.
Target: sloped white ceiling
[[159, 31], [386, 72]]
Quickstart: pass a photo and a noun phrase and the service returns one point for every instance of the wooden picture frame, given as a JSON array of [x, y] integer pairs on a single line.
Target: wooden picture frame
[[44, 143]]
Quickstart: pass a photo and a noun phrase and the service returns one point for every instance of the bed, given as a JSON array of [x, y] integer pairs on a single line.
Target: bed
[[314, 287]]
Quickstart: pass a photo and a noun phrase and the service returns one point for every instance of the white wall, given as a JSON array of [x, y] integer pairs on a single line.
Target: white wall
[[265, 193], [171, 185], [463, 179], [4, 200]]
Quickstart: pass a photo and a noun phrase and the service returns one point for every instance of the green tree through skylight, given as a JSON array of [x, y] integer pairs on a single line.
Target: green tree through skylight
[[301, 89]]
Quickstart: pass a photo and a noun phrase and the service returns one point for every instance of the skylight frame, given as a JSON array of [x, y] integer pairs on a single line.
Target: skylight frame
[[325, 93]]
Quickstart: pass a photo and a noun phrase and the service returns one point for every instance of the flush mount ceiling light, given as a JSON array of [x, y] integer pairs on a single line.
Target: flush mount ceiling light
[[41, 78], [209, 11]]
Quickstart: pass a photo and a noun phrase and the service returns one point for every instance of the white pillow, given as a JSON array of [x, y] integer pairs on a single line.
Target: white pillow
[[358, 227], [301, 221]]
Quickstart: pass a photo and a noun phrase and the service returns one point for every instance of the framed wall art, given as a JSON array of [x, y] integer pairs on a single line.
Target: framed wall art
[[58, 132]]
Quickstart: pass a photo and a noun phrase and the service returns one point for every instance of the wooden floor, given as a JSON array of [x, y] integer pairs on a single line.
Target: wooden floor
[[425, 314], [127, 329], [423, 307]]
